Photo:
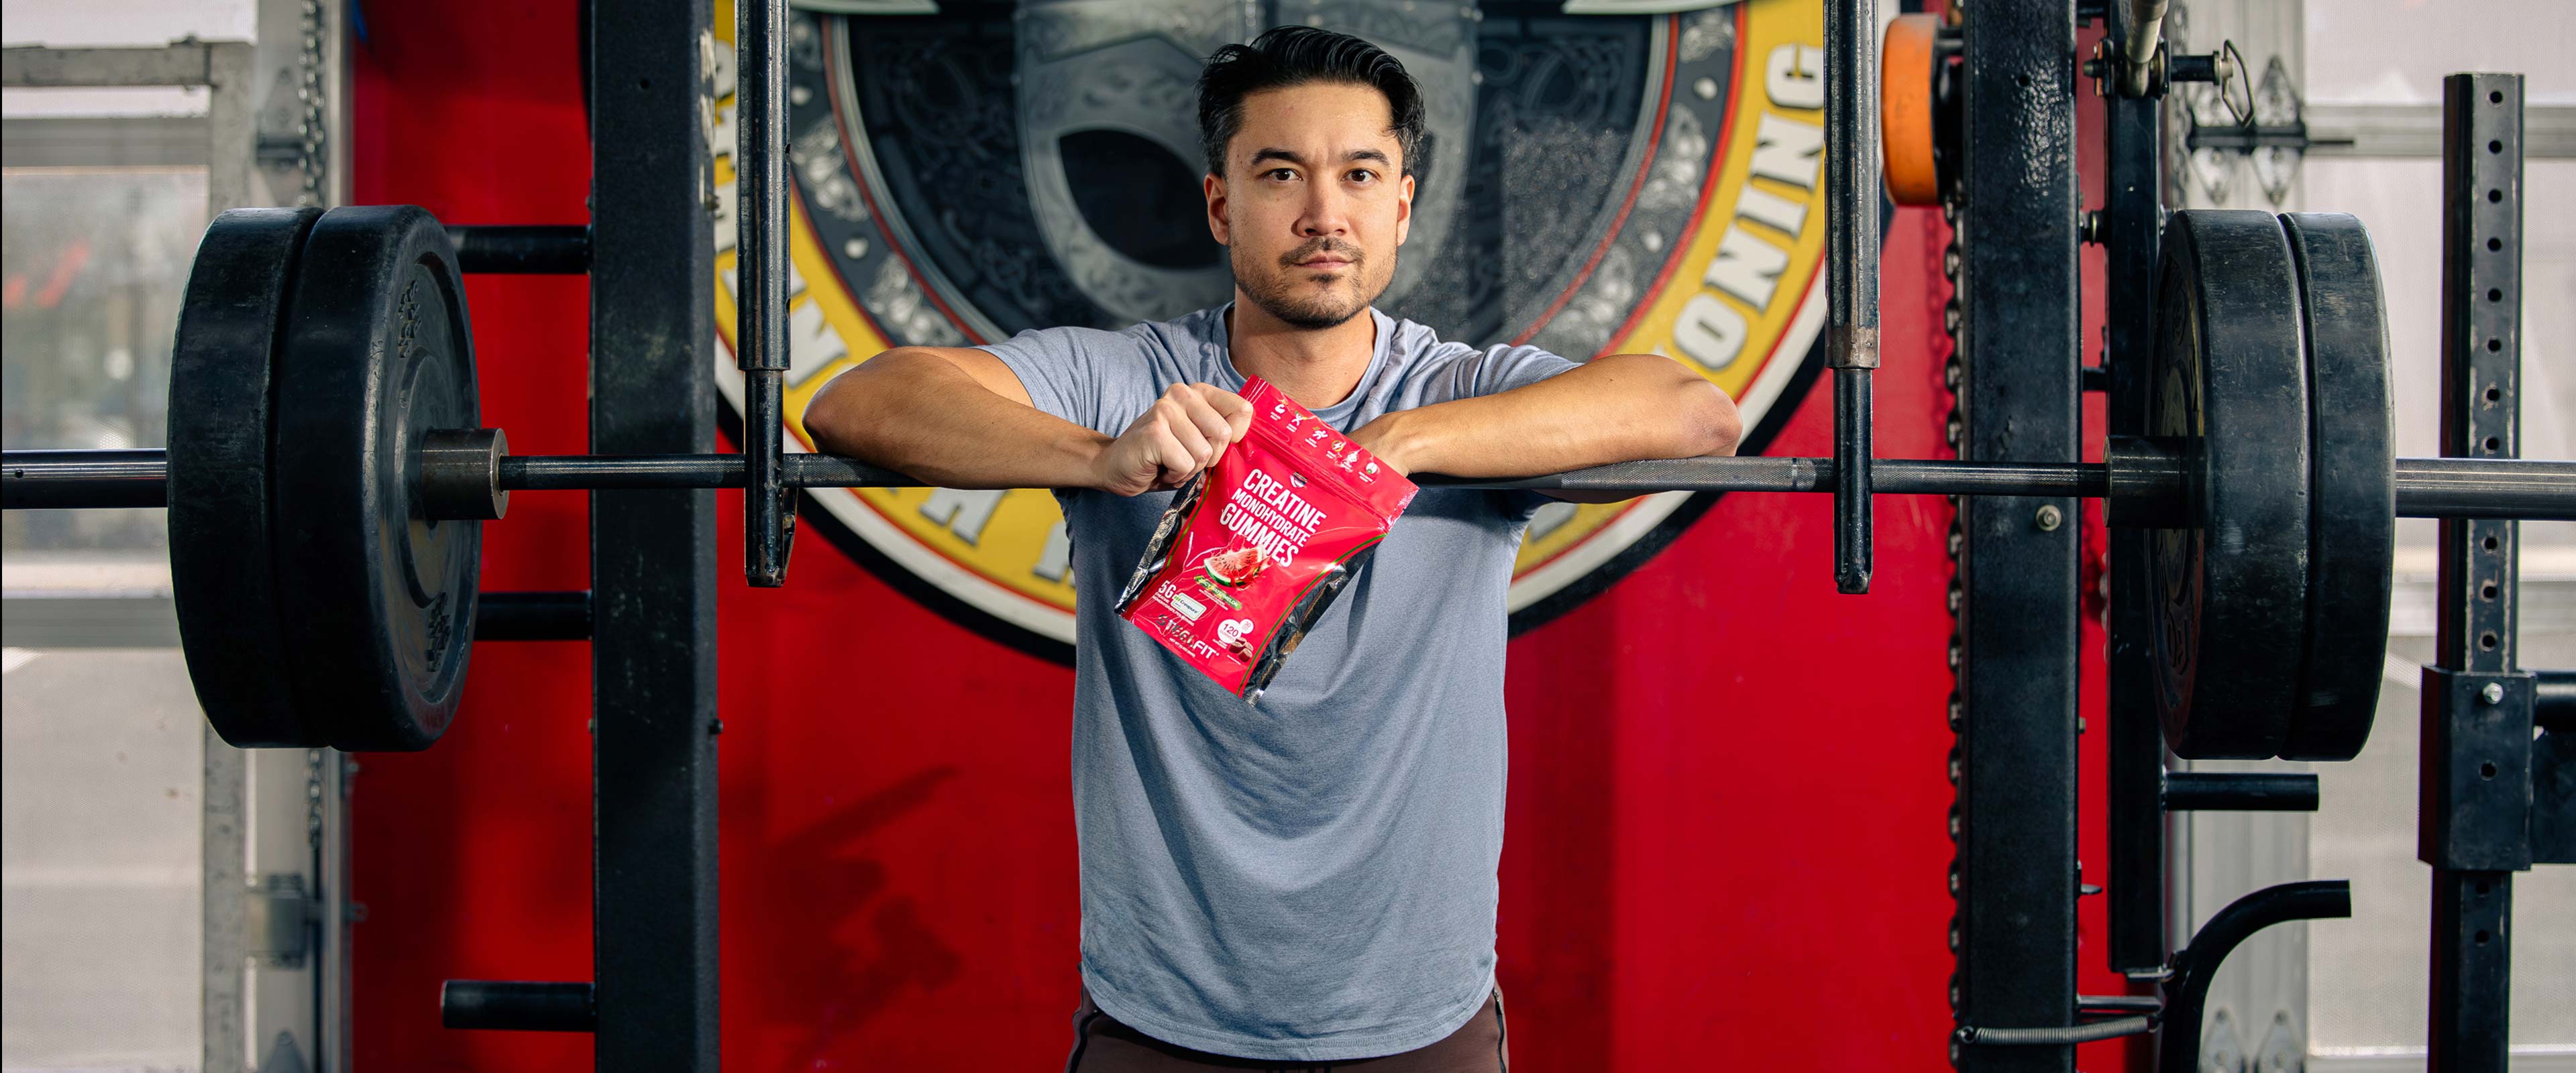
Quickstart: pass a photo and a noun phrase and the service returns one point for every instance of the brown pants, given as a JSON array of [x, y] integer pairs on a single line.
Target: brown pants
[[1102, 1045]]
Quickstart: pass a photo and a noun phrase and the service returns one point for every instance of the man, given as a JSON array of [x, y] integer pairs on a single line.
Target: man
[[1312, 882]]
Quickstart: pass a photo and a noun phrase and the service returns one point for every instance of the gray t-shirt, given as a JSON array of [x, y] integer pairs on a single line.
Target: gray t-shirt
[[1313, 880]]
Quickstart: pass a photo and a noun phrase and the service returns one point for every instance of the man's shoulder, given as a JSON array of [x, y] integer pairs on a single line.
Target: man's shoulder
[[1416, 349], [1070, 338], [1413, 346], [1179, 335]]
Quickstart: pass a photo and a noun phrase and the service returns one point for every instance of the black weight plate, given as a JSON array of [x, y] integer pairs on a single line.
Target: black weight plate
[[2228, 381], [2352, 506], [379, 603], [222, 356]]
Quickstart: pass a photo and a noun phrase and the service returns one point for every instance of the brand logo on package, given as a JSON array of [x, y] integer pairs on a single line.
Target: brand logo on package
[[952, 188]]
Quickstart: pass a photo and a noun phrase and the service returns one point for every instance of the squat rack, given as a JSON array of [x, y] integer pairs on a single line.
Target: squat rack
[[654, 999]]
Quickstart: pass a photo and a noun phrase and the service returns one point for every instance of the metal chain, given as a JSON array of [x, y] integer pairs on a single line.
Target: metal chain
[[1953, 373], [309, 91]]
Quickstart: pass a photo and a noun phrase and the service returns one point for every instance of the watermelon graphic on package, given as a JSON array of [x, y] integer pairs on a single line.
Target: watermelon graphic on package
[[1255, 547]]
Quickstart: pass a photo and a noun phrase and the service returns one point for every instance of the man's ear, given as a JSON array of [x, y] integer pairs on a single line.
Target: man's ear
[[1214, 188], [1404, 210]]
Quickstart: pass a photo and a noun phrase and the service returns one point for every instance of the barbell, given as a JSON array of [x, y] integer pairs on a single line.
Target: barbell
[[327, 477]]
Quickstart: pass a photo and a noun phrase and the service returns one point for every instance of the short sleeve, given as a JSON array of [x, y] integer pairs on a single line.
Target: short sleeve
[[1458, 371], [1075, 373]]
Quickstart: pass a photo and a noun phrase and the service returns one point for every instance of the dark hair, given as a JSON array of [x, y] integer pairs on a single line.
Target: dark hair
[[1287, 56]]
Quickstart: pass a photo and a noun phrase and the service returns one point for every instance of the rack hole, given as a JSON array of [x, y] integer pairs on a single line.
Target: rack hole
[[2495, 294], [2494, 196], [2487, 591], [2489, 543], [2493, 346], [2493, 443], [2494, 244], [2487, 640], [2482, 937], [2482, 886], [2494, 394], [2495, 96], [2486, 770]]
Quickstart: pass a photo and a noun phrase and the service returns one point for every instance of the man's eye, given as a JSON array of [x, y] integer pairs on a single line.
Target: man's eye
[[1281, 174], [1363, 175]]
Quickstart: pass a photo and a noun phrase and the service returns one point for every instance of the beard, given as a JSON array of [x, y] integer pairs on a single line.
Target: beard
[[1296, 301]]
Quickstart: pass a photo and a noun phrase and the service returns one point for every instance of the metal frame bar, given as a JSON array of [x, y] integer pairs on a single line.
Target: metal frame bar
[[2018, 396], [2400, 131], [2132, 232], [223, 67], [539, 249], [226, 69], [760, 313], [1851, 272], [2178, 1047], [2481, 369], [653, 568]]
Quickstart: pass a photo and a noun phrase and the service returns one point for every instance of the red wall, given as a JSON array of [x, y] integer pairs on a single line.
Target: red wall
[[1727, 804]]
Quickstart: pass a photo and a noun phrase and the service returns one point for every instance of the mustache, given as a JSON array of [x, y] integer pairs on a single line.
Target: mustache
[[1318, 247]]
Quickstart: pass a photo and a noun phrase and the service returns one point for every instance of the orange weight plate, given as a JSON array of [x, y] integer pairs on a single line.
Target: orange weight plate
[[1905, 109]]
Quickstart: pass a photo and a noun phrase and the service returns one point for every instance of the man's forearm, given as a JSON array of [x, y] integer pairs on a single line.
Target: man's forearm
[[920, 416], [1616, 408]]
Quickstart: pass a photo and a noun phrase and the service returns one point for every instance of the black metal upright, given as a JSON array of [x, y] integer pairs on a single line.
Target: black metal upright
[[760, 272], [2476, 784], [2019, 396], [652, 553], [1851, 272], [2132, 231]]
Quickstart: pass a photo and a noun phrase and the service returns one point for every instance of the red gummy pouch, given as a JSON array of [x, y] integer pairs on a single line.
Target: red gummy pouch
[[1256, 546]]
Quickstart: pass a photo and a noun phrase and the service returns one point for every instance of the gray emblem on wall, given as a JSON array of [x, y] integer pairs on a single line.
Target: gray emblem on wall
[[1118, 80]]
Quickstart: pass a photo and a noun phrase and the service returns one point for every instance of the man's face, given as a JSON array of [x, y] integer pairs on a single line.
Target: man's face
[[1313, 202]]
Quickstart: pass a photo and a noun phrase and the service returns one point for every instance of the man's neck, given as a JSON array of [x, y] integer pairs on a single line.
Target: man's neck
[[1318, 367]]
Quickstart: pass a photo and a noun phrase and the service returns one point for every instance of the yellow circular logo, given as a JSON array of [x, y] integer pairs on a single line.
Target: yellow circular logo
[[1612, 178]]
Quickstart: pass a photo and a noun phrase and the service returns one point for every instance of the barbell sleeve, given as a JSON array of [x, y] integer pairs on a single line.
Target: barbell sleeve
[[2525, 489]]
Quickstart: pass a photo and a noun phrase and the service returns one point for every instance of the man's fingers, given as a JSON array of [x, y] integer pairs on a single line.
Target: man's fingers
[[1236, 412], [1178, 462], [1186, 432], [1227, 408], [1208, 422]]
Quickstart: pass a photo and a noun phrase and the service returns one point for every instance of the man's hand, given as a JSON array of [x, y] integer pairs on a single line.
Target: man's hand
[[1181, 434], [1383, 440]]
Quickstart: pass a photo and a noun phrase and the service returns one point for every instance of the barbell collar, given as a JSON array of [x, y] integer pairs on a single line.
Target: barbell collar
[[2142, 474], [460, 474]]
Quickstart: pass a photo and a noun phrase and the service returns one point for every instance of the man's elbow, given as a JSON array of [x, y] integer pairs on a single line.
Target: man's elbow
[[832, 419], [1712, 423]]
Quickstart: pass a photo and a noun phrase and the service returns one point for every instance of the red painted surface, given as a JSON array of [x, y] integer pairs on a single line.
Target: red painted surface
[[1726, 817]]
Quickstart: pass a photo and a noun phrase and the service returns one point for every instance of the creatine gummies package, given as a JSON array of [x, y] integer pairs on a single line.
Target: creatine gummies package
[[1256, 546]]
